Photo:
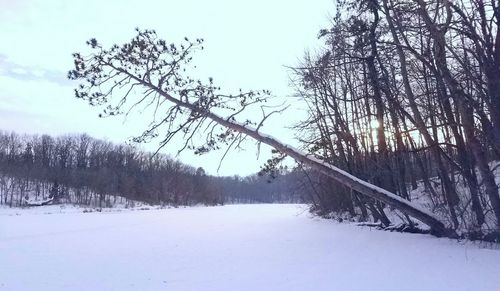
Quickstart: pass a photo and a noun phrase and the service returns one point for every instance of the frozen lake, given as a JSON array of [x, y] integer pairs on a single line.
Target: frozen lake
[[236, 247]]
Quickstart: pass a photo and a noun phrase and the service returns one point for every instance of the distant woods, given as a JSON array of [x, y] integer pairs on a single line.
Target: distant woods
[[86, 171], [406, 94]]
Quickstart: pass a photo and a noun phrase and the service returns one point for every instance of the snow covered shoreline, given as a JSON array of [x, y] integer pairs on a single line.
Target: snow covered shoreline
[[235, 247]]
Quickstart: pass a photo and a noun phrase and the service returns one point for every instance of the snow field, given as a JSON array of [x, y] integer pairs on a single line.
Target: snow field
[[235, 247]]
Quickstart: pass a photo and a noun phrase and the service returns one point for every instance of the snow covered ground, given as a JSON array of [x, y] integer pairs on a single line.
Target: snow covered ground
[[237, 247]]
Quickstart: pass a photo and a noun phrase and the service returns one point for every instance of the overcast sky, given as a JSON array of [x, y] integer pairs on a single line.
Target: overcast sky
[[247, 45]]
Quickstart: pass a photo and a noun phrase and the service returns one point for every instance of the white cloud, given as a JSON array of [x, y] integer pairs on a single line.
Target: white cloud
[[38, 73], [19, 71]]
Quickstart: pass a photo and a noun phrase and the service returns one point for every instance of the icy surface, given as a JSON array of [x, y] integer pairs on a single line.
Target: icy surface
[[238, 247]]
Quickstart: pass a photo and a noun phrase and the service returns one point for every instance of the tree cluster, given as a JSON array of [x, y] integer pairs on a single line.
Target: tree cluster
[[286, 187], [84, 170], [406, 94]]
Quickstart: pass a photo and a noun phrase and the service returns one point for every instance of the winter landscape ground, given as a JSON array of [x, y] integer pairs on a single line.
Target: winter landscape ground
[[235, 247]]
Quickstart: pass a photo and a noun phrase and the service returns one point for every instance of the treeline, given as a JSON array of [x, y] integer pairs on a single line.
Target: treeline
[[283, 187], [86, 171], [95, 167], [406, 94]]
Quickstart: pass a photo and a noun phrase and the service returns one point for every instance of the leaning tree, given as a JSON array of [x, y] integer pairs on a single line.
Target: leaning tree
[[183, 106]]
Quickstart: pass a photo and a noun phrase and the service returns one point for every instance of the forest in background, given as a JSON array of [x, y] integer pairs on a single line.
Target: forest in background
[[79, 169]]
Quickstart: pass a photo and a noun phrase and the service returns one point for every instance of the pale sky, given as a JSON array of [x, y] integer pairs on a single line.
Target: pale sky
[[247, 45]]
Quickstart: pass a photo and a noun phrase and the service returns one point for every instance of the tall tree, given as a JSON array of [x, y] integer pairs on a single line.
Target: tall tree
[[158, 68]]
